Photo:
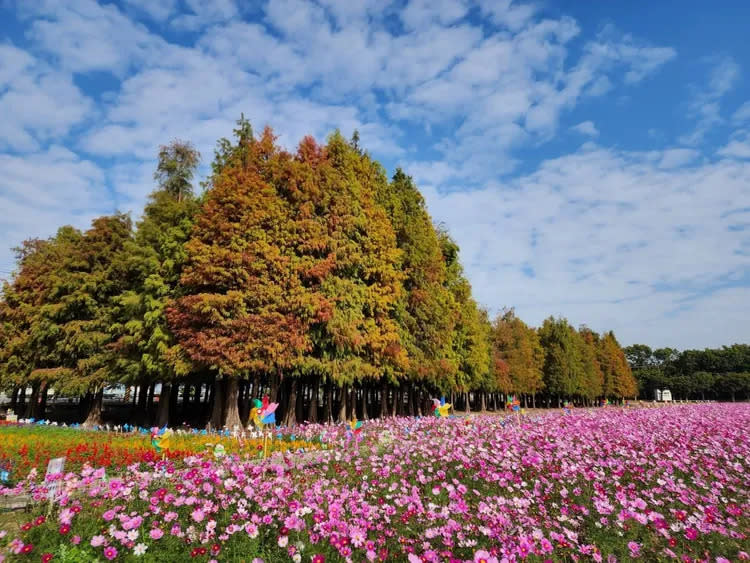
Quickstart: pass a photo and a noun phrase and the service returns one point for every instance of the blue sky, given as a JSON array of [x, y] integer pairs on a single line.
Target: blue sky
[[592, 159]]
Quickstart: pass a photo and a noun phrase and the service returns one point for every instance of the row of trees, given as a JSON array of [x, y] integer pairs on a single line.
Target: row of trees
[[722, 373], [309, 276]]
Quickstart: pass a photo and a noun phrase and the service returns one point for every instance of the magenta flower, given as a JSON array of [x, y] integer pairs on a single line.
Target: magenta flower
[[634, 548], [483, 556], [110, 552]]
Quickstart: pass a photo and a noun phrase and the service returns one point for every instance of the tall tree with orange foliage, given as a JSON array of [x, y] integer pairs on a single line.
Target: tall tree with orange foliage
[[618, 378], [245, 307], [517, 349]]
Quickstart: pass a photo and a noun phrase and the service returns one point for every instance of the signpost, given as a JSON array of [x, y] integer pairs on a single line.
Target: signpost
[[54, 467]]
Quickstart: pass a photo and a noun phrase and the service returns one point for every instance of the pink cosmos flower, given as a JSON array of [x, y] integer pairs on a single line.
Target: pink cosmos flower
[[483, 556], [97, 541], [110, 552], [634, 548]]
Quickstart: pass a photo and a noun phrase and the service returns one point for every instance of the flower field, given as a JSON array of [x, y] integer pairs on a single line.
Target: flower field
[[608, 484], [24, 447]]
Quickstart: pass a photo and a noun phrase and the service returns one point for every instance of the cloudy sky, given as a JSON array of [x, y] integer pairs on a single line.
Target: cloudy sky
[[592, 159]]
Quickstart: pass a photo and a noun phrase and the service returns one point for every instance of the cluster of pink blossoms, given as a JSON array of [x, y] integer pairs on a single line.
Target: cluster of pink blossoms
[[607, 484]]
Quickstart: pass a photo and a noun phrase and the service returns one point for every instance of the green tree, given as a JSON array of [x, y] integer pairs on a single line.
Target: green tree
[[471, 333], [70, 328], [591, 381], [176, 167], [561, 359], [156, 257], [424, 312], [517, 346]]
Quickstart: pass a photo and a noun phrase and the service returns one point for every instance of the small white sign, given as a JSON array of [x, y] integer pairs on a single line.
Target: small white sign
[[54, 467]]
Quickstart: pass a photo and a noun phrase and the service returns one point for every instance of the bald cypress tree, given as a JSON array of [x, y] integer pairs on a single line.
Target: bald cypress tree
[[149, 352], [470, 338], [517, 345], [425, 311], [242, 308]]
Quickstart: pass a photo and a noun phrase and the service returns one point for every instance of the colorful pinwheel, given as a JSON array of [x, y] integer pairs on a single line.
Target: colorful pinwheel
[[263, 412], [160, 438], [513, 404], [354, 428], [440, 407]]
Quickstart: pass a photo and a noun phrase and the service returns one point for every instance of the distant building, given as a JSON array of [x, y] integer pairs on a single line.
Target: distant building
[[663, 395]]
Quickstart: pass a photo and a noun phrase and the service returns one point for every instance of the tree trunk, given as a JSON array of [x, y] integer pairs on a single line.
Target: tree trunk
[[256, 388], [139, 414], [31, 404], [533, 401], [94, 417], [363, 403], [299, 411], [218, 404], [384, 400], [185, 401], [276, 382], [172, 403], [312, 410], [343, 406], [483, 402], [290, 415], [328, 407], [21, 398], [467, 404], [243, 385], [232, 416], [40, 405], [14, 399], [162, 412]]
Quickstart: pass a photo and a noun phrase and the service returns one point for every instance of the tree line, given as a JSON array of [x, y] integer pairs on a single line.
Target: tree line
[[309, 276], [715, 374]]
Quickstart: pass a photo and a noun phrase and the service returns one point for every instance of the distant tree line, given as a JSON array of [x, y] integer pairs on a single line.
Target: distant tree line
[[715, 374], [309, 276]]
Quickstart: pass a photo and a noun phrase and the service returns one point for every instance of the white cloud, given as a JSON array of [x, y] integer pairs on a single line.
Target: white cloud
[[706, 104], [82, 36], [742, 114], [586, 128], [157, 11], [738, 147], [40, 192], [674, 158], [506, 13], [38, 103], [615, 240], [204, 14], [421, 13]]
